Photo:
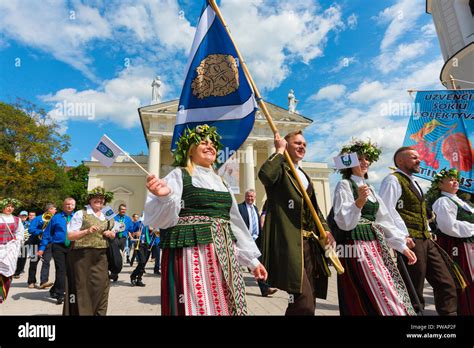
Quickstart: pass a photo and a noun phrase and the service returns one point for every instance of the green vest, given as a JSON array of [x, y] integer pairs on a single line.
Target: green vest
[[464, 215], [363, 231], [94, 240], [201, 209], [412, 209]]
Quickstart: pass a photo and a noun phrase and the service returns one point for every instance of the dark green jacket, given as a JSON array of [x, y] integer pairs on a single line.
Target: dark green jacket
[[282, 233]]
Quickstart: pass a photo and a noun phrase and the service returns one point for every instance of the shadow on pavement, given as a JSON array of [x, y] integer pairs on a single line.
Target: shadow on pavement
[[34, 295], [149, 299]]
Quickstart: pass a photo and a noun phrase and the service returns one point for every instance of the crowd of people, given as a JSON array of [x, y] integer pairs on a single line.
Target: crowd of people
[[392, 240], [77, 242]]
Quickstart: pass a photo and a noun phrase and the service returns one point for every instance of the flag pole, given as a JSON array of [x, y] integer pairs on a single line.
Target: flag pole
[[266, 113], [130, 157]]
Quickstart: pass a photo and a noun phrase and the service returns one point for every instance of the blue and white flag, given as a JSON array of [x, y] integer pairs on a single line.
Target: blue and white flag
[[106, 151], [108, 212], [215, 91], [347, 160]]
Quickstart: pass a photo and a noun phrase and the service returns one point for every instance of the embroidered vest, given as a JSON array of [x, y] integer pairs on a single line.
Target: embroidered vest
[[201, 210], [412, 208], [93, 240]]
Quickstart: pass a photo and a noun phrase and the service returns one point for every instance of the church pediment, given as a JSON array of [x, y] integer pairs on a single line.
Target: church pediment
[[121, 191], [278, 113]]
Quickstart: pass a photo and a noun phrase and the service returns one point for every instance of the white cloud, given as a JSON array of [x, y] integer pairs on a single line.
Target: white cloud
[[352, 21], [115, 101], [402, 17], [271, 38], [329, 92], [51, 27], [429, 31], [369, 120], [392, 59], [369, 92], [344, 62]]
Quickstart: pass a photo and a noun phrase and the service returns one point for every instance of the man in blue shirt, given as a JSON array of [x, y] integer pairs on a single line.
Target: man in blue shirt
[[55, 235], [36, 230], [127, 226]]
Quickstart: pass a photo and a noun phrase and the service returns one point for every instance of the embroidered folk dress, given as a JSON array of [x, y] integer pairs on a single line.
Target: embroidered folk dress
[[371, 283], [204, 241], [455, 220], [9, 256]]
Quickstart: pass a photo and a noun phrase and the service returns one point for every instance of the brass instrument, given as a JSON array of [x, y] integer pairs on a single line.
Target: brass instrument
[[137, 244], [156, 234], [46, 217], [26, 235]]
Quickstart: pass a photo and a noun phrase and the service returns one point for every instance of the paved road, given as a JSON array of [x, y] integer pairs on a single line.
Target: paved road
[[127, 300]]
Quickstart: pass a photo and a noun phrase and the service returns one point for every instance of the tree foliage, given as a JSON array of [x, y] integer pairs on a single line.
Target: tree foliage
[[31, 162], [78, 177]]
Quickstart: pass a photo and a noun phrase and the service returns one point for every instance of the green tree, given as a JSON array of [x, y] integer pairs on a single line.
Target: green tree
[[31, 150], [78, 177]]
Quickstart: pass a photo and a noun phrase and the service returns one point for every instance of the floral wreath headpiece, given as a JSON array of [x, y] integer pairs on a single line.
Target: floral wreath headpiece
[[7, 201], [445, 173], [100, 192], [366, 148], [194, 136]]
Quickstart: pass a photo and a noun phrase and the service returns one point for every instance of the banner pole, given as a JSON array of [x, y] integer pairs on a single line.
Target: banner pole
[[266, 113]]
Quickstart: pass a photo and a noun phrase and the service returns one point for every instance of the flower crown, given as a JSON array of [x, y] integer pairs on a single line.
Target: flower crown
[[7, 201], [100, 192], [444, 173], [194, 136], [366, 148]]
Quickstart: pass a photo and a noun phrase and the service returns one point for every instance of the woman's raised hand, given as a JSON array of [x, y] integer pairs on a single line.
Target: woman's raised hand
[[157, 186]]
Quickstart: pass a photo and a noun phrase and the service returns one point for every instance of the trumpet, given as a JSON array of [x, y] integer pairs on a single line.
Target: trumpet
[[46, 217], [137, 244]]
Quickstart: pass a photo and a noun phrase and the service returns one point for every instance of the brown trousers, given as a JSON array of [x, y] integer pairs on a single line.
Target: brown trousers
[[305, 303], [430, 265], [87, 282]]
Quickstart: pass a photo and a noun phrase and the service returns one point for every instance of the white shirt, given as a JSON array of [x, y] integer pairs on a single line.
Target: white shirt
[[390, 192], [163, 212], [303, 177], [8, 260], [347, 214], [446, 211], [76, 221]]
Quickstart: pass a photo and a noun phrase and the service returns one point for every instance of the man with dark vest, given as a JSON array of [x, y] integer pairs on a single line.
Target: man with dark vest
[[249, 213], [294, 260], [406, 204]]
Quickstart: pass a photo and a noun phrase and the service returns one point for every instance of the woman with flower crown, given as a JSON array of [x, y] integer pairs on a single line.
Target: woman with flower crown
[[371, 283], [455, 234], [203, 236], [11, 237]]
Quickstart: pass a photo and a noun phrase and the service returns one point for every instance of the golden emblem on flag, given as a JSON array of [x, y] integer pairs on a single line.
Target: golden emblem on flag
[[218, 76]]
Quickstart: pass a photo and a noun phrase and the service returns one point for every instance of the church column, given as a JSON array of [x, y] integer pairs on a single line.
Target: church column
[[249, 165], [154, 144]]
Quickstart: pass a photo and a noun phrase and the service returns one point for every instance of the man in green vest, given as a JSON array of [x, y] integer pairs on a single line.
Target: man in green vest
[[406, 204], [294, 261]]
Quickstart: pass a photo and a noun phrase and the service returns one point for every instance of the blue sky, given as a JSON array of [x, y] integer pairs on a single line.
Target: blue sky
[[348, 61]]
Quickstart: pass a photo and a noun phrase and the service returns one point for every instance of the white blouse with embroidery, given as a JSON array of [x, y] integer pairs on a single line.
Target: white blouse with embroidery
[[163, 212], [347, 214]]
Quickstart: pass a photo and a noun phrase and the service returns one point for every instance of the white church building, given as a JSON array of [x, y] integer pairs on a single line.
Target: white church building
[[127, 181]]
